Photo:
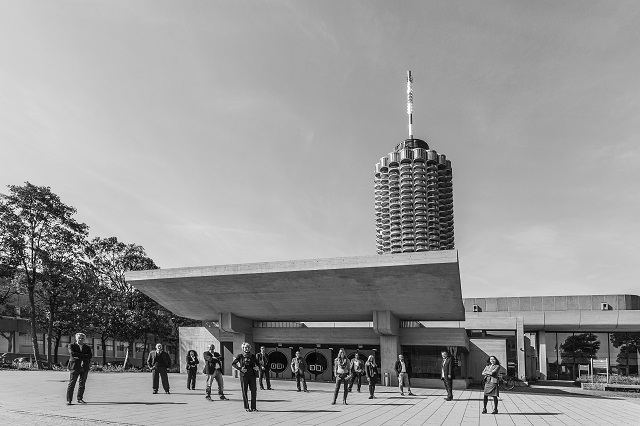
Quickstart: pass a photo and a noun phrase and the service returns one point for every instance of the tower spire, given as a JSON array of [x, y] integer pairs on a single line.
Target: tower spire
[[410, 103]]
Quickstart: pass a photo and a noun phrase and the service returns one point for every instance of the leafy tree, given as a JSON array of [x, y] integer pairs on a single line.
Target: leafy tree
[[629, 344], [136, 312], [34, 225]]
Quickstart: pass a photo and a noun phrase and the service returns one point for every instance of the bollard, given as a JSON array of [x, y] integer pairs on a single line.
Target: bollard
[[386, 379]]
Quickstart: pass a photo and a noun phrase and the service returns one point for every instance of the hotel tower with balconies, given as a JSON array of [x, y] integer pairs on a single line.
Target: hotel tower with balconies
[[413, 196]]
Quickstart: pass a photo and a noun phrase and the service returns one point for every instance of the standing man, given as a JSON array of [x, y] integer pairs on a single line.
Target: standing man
[[247, 364], [213, 370], [298, 367], [357, 370], [79, 362], [159, 362], [403, 369], [265, 367], [447, 374]]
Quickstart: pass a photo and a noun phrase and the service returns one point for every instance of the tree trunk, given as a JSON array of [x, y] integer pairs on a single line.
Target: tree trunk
[[103, 340], [143, 361], [55, 350], [34, 335], [49, 333]]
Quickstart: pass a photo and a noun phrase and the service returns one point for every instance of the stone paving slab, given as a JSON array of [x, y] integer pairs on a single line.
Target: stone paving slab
[[38, 397]]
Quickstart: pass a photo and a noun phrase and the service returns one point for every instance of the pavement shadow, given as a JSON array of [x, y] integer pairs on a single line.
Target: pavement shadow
[[531, 414], [299, 411], [134, 403], [274, 400]]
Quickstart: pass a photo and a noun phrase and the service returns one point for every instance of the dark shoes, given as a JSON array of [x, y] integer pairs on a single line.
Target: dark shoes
[[410, 394], [484, 411], [69, 403], [333, 403], [224, 398], [269, 388], [81, 401], [345, 402], [208, 397], [448, 399], [306, 391], [370, 397], [495, 411], [167, 392], [261, 388], [155, 391], [299, 390]]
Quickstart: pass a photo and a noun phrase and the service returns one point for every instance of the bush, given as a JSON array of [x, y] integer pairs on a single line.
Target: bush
[[613, 379]]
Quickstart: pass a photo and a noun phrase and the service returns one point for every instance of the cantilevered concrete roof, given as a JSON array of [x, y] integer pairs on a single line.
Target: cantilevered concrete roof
[[418, 286]]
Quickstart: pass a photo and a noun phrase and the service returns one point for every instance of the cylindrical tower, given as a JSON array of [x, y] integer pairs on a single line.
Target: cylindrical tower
[[413, 200]]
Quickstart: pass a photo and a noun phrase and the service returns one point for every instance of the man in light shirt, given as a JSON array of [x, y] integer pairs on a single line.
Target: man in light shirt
[[403, 369]]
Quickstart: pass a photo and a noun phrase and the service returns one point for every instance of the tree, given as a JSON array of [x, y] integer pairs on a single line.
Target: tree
[[34, 225], [136, 312], [629, 344]]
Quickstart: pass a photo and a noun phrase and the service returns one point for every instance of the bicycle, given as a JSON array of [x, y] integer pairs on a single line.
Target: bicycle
[[506, 383]]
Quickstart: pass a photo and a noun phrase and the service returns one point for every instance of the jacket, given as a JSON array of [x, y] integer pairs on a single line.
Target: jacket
[[298, 364], [371, 370], [407, 367], [192, 363], [357, 367], [248, 361], [447, 369], [491, 373], [263, 361], [159, 361], [79, 357], [212, 362]]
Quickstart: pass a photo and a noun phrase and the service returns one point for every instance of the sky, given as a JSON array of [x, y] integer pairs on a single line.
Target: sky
[[220, 132]]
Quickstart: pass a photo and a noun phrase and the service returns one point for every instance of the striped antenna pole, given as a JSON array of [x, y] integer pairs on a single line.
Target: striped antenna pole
[[410, 103]]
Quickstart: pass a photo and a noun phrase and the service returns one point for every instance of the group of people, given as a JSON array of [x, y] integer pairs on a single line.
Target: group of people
[[347, 373]]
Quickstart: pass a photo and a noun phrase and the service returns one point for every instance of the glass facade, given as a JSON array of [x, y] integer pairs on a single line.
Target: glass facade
[[570, 353], [426, 361]]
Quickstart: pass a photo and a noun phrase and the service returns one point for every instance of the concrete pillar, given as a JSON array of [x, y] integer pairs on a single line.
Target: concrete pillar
[[389, 351], [542, 355], [242, 329], [522, 369]]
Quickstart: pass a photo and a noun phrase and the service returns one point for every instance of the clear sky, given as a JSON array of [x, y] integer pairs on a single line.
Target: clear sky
[[216, 132]]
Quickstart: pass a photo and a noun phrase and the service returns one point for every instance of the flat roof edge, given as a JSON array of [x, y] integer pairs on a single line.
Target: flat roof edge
[[371, 261]]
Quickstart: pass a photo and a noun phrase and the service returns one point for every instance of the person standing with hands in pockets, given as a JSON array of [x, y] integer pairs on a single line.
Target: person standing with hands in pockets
[[265, 367], [298, 367]]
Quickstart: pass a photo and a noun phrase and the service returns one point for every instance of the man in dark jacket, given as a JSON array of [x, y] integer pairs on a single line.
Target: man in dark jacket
[[159, 362], [403, 370], [213, 370], [447, 374], [79, 362], [298, 367], [265, 367]]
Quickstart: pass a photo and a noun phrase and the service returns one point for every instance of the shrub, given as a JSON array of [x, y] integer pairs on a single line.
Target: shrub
[[613, 378]]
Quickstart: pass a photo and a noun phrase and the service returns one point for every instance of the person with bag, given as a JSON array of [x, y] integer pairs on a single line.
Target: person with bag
[[371, 371], [192, 369], [491, 378], [341, 368]]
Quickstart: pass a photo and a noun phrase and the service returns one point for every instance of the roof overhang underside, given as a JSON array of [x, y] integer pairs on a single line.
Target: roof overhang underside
[[419, 286]]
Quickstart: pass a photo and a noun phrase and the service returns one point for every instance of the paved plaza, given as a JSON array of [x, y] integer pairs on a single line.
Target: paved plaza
[[31, 397]]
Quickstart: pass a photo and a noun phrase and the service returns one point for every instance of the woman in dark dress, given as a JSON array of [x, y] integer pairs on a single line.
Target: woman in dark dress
[[371, 370], [192, 369], [490, 376]]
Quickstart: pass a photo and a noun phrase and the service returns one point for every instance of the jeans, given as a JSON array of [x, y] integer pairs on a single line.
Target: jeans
[[73, 377], [300, 376], [357, 378], [448, 385], [340, 379], [403, 379]]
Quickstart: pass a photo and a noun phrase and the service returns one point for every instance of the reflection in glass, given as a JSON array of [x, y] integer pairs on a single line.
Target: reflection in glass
[[624, 353]]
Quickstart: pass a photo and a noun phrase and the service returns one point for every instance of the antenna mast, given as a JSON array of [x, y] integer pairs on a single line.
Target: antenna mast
[[410, 103]]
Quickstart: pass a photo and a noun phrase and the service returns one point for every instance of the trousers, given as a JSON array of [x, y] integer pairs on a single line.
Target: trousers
[[74, 375], [248, 382], [163, 375]]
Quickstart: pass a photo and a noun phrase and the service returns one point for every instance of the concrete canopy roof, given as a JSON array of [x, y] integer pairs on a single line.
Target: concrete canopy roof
[[417, 286]]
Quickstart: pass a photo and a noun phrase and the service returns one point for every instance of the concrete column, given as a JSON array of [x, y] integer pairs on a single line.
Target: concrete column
[[542, 355], [522, 361], [242, 329], [389, 351]]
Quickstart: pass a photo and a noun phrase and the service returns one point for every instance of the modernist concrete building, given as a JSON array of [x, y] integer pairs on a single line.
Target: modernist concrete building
[[406, 303], [413, 200]]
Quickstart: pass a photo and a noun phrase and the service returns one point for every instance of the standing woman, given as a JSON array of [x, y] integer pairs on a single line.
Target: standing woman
[[192, 369], [490, 377], [371, 370], [341, 368]]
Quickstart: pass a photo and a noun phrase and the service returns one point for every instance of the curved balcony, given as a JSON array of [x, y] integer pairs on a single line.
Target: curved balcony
[[384, 163], [406, 155], [432, 156], [419, 154], [394, 158]]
